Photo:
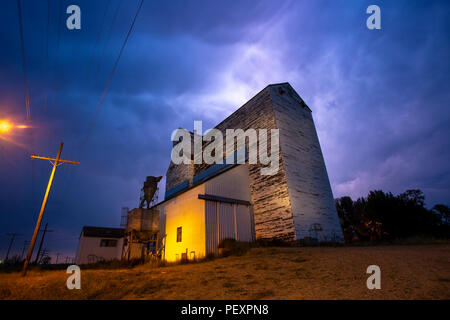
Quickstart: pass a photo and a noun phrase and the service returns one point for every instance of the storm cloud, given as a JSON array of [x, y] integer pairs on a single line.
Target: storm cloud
[[379, 98]]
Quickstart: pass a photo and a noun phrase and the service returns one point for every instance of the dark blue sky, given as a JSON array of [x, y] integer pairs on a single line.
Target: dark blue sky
[[380, 98]]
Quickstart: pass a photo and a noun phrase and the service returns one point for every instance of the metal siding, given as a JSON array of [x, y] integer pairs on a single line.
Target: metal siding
[[226, 221], [162, 230], [187, 211], [211, 227], [231, 184], [243, 223]]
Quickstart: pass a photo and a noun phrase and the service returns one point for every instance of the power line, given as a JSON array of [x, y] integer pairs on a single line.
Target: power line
[[57, 256], [26, 86], [44, 232], [25, 243], [46, 57], [24, 63], [94, 49], [90, 127], [105, 91], [27, 93], [51, 86], [107, 40], [45, 253], [13, 236], [85, 86], [60, 13]]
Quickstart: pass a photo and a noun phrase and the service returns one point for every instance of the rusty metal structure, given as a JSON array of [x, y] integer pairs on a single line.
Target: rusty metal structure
[[142, 232], [149, 189]]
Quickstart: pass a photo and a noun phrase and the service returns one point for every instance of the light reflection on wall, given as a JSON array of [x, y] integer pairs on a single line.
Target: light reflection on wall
[[188, 212]]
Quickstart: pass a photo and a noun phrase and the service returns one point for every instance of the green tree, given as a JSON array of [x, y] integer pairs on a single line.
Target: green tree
[[383, 215], [444, 212]]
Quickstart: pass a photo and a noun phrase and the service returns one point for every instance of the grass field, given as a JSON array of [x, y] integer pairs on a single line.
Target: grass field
[[407, 272]]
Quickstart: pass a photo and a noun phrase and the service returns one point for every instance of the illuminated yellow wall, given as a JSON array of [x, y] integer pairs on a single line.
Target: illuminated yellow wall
[[188, 212]]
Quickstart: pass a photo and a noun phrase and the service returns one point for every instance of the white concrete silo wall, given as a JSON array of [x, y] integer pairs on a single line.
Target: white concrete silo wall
[[306, 175]]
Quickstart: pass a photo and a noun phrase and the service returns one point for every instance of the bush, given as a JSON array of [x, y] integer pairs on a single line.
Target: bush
[[114, 264], [228, 247], [210, 256], [273, 243]]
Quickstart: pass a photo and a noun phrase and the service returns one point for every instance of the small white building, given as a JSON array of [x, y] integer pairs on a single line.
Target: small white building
[[99, 244]]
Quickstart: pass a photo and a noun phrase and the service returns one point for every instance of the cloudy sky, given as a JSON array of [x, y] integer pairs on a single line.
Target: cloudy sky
[[380, 98]]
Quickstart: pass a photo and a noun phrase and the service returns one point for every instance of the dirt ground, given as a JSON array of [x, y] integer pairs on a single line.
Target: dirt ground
[[407, 272]]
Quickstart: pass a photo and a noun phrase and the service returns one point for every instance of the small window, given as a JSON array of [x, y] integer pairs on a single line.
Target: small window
[[179, 234], [108, 243]]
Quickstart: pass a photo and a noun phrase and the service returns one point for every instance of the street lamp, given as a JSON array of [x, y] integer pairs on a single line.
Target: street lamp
[[6, 126]]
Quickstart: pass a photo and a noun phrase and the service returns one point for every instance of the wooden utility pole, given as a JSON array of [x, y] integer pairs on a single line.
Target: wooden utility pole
[[42, 242], [13, 236], [56, 162], [25, 243], [44, 254]]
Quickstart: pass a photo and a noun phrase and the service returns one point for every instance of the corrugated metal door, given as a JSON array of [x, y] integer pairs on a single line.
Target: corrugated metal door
[[211, 232], [226, 221], [243, 223], [221, 223]]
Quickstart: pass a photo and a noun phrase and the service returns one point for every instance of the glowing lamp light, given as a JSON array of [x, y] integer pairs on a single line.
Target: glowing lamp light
[[5, 126]]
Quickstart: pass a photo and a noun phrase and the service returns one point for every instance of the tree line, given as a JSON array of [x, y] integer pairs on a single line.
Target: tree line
[[381, 216]]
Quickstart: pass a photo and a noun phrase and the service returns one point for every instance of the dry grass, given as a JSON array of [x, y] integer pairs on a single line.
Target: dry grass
[[407, 272]]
